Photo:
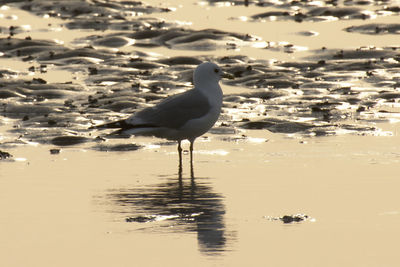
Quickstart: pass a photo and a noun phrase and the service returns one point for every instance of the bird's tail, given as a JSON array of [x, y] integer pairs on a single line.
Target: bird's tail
[[111, 125], [125, 128]]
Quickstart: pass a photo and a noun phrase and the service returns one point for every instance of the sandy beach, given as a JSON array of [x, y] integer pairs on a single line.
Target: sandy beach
[[302, 167]]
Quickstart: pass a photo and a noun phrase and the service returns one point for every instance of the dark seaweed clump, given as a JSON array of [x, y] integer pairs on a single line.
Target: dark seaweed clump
[[293, 218], [287, 219], [4, 155]]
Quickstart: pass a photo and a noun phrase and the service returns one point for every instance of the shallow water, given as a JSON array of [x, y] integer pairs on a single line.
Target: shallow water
[[97, 205], [309, 131]]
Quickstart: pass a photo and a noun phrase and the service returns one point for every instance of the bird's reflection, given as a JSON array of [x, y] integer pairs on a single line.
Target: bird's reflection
[[186, 203]]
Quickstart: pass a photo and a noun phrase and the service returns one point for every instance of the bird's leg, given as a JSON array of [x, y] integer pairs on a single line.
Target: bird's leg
[[191, 151], [180, 158], [180, 150], [191, 160], [191, 170]]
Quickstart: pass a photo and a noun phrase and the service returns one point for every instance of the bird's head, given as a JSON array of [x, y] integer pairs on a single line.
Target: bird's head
[[208, 72]]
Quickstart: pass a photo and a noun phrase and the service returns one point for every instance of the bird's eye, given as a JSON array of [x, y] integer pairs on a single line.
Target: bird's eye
[[216, 70]]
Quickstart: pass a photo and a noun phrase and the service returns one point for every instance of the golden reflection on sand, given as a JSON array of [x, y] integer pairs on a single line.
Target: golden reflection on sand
[[70, 209]]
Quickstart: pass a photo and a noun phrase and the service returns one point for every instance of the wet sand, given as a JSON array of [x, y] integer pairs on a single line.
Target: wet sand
[[306, 133], [81, 200]]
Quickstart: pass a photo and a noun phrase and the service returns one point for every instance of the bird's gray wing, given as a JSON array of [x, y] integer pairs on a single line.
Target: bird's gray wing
[[173, 112]]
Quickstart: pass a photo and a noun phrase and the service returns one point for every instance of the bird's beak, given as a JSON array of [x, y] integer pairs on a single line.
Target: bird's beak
[[227, 75]]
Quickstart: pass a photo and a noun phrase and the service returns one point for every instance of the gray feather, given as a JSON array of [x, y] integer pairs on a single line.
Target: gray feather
[[174, 111]]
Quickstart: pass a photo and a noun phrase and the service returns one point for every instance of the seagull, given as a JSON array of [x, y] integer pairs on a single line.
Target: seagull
[[183, 116]]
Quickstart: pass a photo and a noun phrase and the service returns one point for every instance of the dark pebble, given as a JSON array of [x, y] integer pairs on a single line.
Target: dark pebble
[[55, 151], [140, 219]]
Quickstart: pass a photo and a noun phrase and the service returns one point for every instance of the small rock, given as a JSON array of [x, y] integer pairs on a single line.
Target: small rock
[[55, 151], [140, 219]]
